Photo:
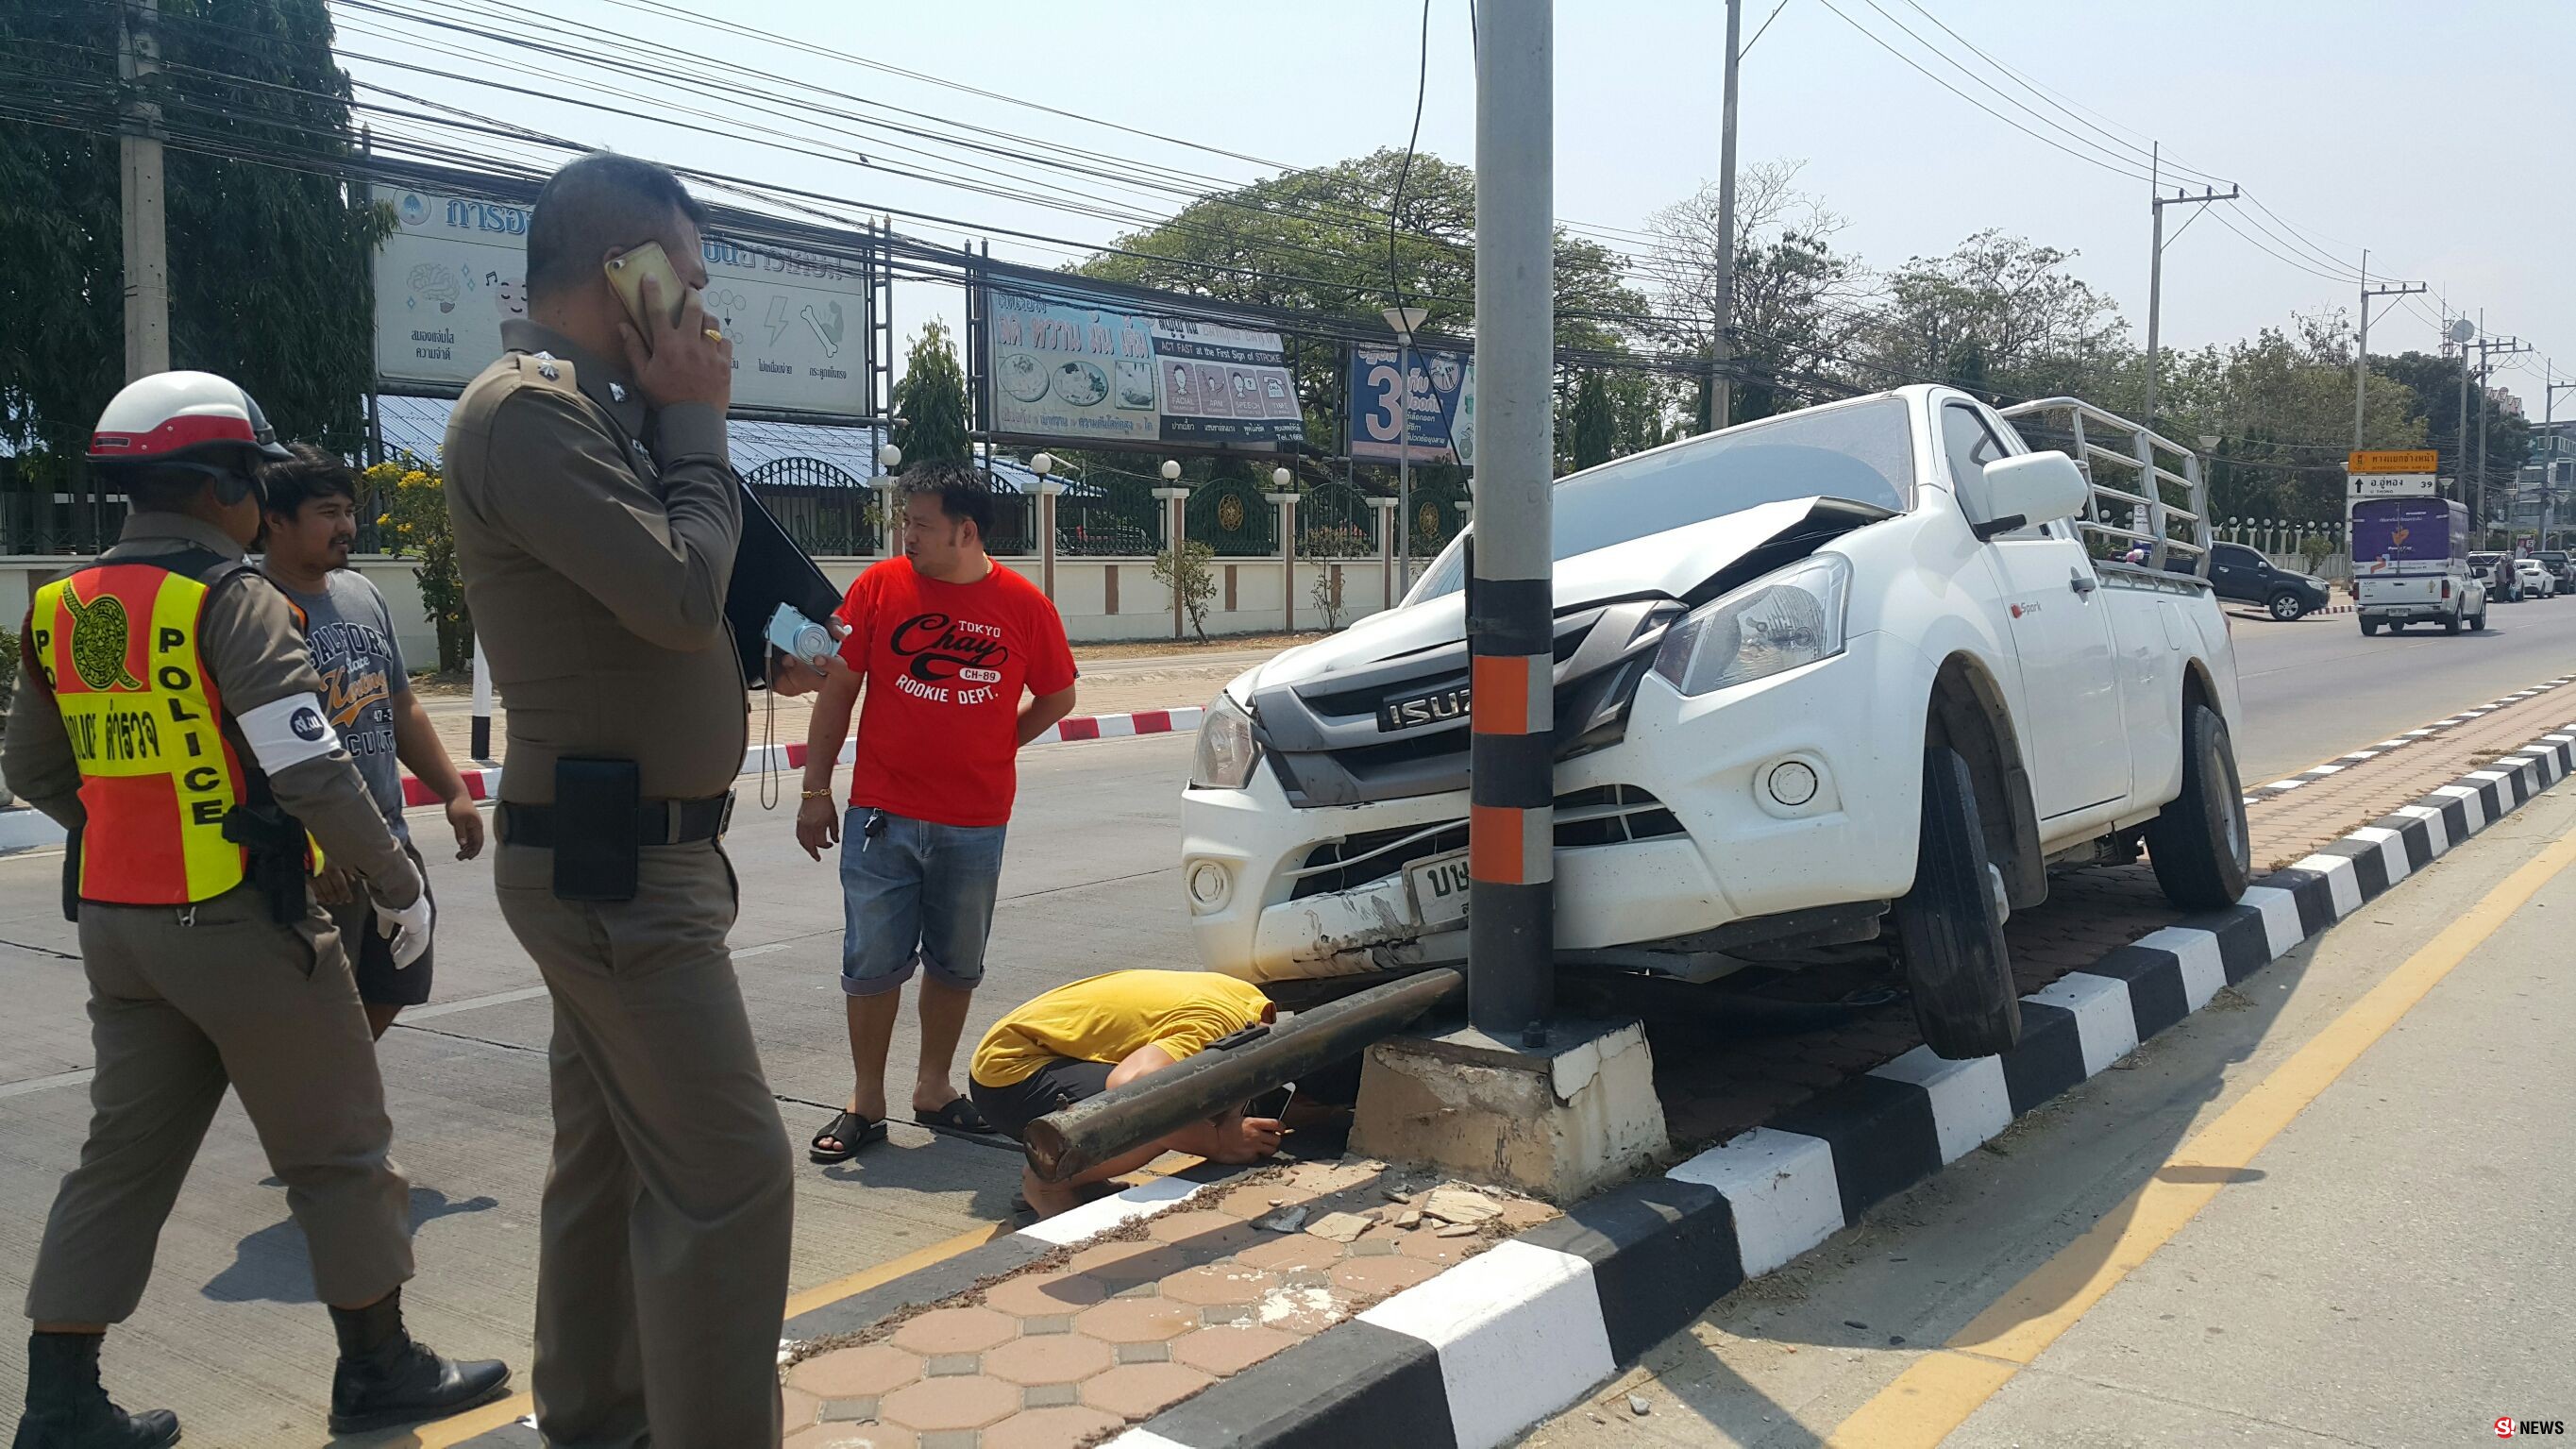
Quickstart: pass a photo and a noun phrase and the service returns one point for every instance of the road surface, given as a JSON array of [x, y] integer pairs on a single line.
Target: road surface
[[229, 1332]]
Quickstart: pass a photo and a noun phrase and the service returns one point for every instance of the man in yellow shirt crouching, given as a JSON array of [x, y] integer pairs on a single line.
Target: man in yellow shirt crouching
[[1080, 1040]]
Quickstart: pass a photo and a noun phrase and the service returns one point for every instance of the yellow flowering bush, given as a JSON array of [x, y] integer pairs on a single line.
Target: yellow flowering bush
[[409, 500]]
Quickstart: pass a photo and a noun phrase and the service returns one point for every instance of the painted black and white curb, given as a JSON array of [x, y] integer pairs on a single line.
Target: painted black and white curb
[[1479, 1353], [2341, 763]]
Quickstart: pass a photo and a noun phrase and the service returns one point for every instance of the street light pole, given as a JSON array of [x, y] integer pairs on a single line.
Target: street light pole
[[1511, 833]]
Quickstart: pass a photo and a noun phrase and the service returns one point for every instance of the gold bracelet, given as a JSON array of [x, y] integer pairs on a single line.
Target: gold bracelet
[[826, 793]]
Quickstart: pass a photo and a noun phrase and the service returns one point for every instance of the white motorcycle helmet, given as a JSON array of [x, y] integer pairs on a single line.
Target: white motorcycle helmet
[[191, 420]]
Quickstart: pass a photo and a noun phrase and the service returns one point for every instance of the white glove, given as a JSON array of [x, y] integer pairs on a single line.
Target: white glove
[[408, 927]]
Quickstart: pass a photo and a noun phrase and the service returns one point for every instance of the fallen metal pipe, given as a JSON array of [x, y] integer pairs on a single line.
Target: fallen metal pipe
[[1070, 1142]]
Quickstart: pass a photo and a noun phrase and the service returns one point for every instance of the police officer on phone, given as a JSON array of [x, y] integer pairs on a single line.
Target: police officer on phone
[[596, 520], [168, 717]]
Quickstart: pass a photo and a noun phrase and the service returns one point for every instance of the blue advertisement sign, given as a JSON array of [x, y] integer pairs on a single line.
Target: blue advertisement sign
[[1430, 414], [1088, 368], [2407, 535]]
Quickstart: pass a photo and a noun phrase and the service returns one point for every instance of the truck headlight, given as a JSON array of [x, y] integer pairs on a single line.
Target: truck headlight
[[1777, 622], [1226, 751]]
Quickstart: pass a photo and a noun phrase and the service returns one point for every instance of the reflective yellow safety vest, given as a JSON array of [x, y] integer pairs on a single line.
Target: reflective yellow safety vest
[[118, 645]]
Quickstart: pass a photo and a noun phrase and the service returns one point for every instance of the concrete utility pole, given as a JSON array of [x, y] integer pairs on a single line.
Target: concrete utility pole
[[138, 145], [1721, 386], [1511, 613], [2549, 461], [2361, 350], [2156, 264], [2487, 349]]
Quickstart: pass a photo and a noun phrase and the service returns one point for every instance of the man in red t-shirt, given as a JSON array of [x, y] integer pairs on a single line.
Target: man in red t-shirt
[[947, 643]]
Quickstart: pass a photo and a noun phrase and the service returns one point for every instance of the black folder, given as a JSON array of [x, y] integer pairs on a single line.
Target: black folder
[[770, 570]]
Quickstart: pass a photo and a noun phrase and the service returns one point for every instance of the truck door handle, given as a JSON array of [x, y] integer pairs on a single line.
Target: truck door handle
[[2083, 586]]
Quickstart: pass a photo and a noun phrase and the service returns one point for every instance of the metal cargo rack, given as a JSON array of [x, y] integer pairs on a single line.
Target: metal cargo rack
[[2140, 509]]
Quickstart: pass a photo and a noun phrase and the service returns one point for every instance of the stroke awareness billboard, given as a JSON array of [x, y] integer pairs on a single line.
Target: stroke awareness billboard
[[1431, 413], [456, 266], [1095, 370]]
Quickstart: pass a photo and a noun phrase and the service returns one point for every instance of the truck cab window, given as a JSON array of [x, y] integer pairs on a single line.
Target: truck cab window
[[1970, 446]]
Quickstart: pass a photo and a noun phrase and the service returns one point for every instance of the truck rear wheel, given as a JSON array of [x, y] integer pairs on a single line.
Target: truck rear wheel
[[2369, 627], [2451, 625], [2199, 845], [1950, 927]]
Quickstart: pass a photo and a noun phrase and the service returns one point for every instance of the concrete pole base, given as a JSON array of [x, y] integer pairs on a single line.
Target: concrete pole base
[[1558, 1122]]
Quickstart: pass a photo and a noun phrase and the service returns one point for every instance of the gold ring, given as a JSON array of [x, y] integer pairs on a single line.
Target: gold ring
[[714, 336]]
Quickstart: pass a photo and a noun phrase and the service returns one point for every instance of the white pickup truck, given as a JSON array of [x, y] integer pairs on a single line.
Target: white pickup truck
[[1817, 675]]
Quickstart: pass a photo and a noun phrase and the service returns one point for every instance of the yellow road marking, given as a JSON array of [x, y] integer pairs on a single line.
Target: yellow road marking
[[1937, 1393]]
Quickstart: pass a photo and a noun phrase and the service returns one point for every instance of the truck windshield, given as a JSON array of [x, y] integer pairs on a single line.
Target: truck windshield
[[1862, 452]]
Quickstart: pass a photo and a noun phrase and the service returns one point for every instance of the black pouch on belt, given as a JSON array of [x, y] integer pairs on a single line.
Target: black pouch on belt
[[598, 840], [71, 873], [276, 843]]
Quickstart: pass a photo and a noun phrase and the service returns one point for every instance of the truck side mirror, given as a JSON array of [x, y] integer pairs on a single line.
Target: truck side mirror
[[2025, 492]]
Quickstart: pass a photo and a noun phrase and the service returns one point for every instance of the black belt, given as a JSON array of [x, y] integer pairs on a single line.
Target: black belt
[[658, 822]]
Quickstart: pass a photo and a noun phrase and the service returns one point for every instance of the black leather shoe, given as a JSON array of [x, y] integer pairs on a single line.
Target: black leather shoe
[[386, 1378], [67, 1408]]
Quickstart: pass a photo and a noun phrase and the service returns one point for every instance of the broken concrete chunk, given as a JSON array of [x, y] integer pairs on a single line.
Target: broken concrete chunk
[[1409, 1218], [1339, 1227], [1638, 1406], [1455, 1230], [1286, 1220], [1458, 1205]]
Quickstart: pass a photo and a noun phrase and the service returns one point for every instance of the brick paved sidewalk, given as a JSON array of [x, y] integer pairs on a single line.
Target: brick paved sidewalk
[[1108, 1334]]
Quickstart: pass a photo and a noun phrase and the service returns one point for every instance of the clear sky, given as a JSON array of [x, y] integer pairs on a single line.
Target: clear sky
[[2381, 123]]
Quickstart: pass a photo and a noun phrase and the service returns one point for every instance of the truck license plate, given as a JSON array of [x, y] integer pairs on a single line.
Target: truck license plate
[[1439, 888]]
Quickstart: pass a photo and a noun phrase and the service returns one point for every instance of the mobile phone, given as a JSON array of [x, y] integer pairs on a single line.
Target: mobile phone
[[626, 274]]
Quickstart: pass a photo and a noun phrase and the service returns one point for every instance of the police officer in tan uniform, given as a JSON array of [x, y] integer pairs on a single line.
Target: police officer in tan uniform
[[168, 717], [596, 521]]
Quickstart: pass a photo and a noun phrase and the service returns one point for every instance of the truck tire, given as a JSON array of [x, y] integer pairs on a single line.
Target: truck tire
[[2451, 625], [2199, 845], [2369, 627], [1950, 928], [2286, 606], [2478, 621]]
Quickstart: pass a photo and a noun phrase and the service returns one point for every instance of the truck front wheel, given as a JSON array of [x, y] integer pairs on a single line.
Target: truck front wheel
[[1950, 927], [2199, 845]]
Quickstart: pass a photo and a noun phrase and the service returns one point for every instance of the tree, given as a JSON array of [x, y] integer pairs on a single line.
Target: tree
[[1796, 302], [2282, 401], [1592, 422], [414, 524], [930, 402], [268, 257], [2001, 317], [1316, 241], [1192, 574]]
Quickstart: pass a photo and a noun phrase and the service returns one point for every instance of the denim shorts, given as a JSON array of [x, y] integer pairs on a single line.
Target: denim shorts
[[917, 894]]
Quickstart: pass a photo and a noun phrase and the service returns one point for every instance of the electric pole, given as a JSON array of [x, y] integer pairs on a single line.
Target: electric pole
[[2156, 263], [2549, 460], [2361, 351], [2487, 349], [1511, 612], [147, 249], [1721, 385]]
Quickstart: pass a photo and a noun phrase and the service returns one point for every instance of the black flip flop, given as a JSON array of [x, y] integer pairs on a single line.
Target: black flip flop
[[838, 1129], [957, 1116]]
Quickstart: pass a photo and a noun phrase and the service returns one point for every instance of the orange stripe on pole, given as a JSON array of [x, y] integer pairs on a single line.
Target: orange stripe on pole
[[1501, 701], [1494, 844]]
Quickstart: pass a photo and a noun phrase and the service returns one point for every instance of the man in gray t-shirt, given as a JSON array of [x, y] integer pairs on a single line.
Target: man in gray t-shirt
[[312, 516]]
